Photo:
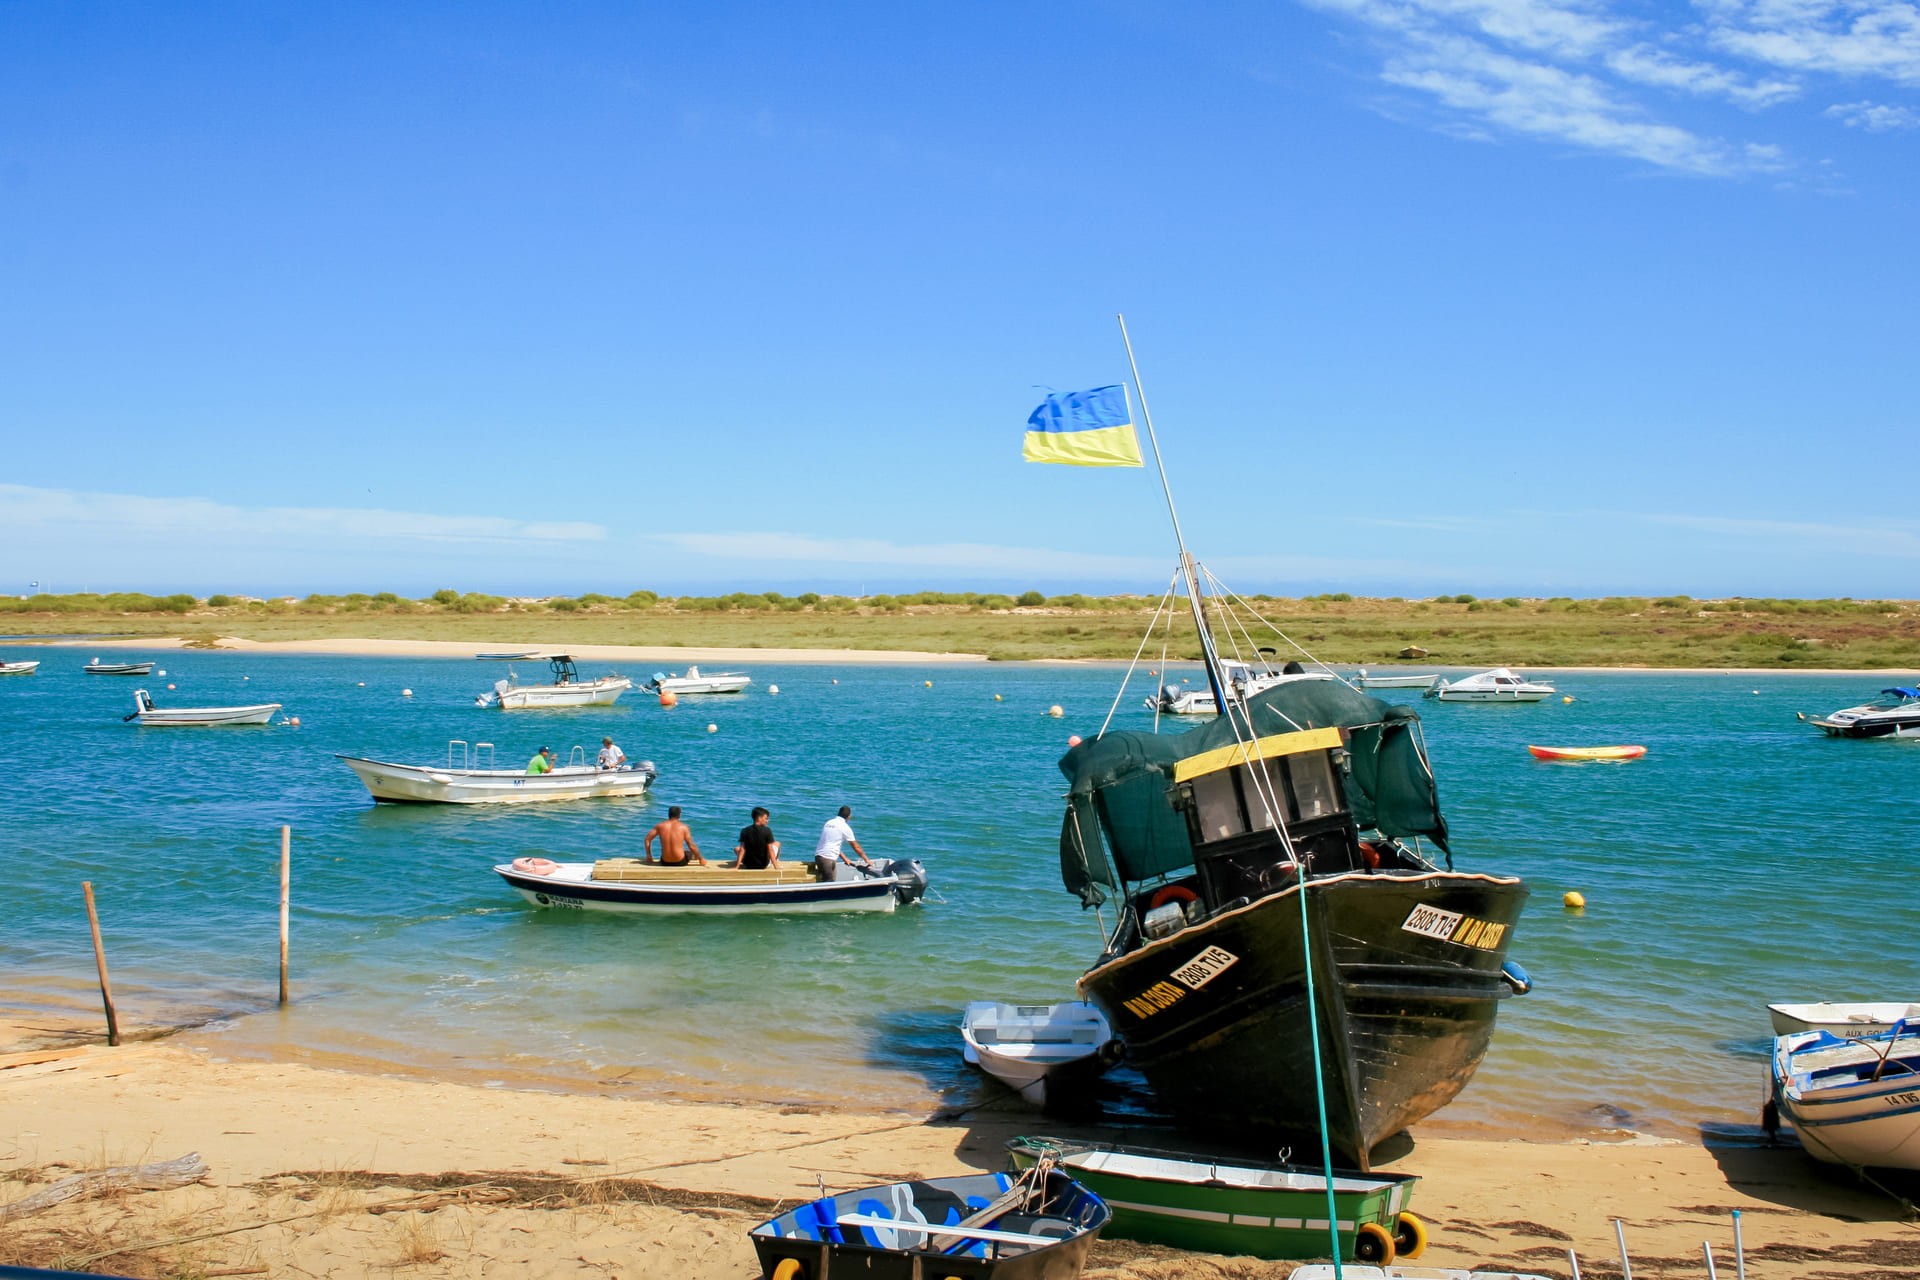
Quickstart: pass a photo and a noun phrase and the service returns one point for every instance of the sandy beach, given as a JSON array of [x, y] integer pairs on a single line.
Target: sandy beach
[[317, 1173]]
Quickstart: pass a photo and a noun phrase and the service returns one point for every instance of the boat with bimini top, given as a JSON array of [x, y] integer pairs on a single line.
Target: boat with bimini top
[[1293, 959], [566, 690], [1894, 714]]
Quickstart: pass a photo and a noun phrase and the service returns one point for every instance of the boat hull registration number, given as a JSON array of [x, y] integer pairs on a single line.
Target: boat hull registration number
[[1193, 975], [1451, 926]]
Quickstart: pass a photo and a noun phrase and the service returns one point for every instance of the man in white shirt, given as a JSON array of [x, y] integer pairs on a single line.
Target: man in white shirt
[[836, 835], [611, 757]]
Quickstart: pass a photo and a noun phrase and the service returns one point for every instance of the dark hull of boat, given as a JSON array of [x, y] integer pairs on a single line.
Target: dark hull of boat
[[1903, 726], [1407, 979]]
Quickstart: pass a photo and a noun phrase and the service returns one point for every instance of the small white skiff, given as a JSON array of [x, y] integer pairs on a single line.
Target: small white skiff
[[694, 682], [469, 777], [197, 717], [1838, 1018], [1383, 680], [1038, 1050], [99, 668], [18, 668]]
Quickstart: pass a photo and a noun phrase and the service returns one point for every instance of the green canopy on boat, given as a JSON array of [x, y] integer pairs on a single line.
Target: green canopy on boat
[[1120, 784]]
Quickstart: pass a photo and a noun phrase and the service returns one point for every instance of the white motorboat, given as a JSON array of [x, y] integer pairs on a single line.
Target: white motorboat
[[197, 717], [18, 668], [470, 777], [1498, 685], [695, 682], [99, 668], [1853, 1102], [1848, 1021], [1243, 680], [631, 885], [567, 689], [1394, 680], [1894, 714], [1038, 1049]]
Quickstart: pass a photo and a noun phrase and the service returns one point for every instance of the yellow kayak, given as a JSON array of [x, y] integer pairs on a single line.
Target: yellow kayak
[[1587, 753]]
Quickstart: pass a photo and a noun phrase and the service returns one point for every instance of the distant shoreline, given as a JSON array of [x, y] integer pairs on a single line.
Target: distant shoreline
[[676, 654]]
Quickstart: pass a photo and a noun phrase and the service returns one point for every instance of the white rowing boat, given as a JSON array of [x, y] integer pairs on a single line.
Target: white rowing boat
[[695, 682], [18, 668], [469, 777], [1038, 1050], [1849, 1021], [150, 716]]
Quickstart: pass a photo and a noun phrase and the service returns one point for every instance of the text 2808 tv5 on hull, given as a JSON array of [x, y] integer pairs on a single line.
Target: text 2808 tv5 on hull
[[1205, 974]]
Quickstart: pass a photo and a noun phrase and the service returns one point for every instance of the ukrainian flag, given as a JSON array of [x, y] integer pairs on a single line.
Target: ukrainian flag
[[1084, 429]]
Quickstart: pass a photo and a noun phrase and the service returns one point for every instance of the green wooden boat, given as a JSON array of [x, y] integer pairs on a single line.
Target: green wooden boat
[[1261, 1211]]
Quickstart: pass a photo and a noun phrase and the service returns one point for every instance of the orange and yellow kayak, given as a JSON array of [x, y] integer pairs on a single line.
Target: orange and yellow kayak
[[1587, 753]]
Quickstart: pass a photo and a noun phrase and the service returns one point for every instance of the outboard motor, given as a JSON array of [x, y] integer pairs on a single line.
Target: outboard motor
[[909, 877], [1169, 693]]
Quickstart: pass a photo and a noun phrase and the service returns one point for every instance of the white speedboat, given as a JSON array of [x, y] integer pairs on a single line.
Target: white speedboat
[[1894, 714], [197, 717], [99, 668], [695, 682], [1848, 1021], [1395, 680], [1038, 1049], [1497, 685], [470, 777], [1853, 1102], [18, 668], [567, 689], [630, 885], [1243, 680]]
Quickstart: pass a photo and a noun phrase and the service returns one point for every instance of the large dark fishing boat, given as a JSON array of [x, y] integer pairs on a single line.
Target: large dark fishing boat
[[1288, 965]]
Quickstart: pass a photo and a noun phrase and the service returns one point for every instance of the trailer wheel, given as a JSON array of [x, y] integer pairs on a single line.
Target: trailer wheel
[[1409, 1236], [788, 1269], [1372, 1244]]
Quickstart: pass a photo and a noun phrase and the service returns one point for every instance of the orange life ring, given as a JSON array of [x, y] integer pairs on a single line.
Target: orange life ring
[[1172, 893], [536, 866]]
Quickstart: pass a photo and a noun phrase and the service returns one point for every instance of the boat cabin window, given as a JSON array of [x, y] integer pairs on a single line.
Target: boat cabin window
[[1231, 802]]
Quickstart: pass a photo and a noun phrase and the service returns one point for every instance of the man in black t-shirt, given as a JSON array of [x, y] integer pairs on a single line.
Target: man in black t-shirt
[[757, 849]]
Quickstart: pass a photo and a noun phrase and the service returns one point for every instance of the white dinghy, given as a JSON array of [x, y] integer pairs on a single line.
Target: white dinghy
[[18, 668], [1839, 1018], [695, 682], [1038, 1050], [197, 717], [470, 777]]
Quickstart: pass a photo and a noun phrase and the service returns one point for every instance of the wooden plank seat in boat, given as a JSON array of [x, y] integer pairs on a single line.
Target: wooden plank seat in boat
[[633, 870]]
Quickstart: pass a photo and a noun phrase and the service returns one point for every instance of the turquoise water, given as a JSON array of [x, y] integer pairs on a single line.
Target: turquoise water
[[1746, 859]]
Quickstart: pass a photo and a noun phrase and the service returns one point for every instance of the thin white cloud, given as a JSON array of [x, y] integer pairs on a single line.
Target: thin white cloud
[[1602, 76], [27, 511], [1873, 117], [1897, 541]]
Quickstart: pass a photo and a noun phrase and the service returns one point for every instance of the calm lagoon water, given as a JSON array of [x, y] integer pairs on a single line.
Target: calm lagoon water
[[1746, 859]]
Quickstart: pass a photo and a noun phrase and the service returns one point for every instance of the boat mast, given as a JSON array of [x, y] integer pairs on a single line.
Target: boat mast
[[1208, 655]]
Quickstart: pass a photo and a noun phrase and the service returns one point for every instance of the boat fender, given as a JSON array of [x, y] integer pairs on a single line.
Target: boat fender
[[1113, 1052], [1172, 893], [1369, 856], [536, 866]]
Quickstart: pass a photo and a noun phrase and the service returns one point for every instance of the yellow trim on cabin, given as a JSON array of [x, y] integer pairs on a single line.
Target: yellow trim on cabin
[[1278, 744]]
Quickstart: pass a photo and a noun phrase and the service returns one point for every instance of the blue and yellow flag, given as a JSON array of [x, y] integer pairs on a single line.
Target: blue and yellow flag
[[1084, 429]]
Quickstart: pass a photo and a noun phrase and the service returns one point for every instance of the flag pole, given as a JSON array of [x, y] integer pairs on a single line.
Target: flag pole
[[1208, 655]]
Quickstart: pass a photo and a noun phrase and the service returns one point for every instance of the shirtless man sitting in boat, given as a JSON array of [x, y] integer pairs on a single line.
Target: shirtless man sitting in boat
[[677, 848]]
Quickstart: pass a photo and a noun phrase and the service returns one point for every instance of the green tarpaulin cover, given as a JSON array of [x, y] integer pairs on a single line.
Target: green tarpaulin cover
[[1119, 784]]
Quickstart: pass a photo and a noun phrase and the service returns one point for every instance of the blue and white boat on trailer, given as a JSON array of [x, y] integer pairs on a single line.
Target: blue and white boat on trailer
[[1854, 1102], [631, 885]]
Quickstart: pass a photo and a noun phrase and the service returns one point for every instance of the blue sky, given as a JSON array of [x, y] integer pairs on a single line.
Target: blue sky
[[1499, 296]]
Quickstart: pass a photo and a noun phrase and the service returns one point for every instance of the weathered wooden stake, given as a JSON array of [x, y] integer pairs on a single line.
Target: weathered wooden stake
[[100, 960], [286, 882]]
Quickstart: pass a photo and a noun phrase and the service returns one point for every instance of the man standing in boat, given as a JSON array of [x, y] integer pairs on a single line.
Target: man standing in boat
[[758, 849], [835, 838], [677, 848]]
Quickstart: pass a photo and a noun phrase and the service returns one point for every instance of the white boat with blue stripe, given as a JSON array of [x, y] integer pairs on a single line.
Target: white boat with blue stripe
[[1853, 1102], [631, 885]]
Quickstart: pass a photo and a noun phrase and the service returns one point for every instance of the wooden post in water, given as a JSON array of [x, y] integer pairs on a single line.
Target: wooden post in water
[[286, 882], [100, 961]]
